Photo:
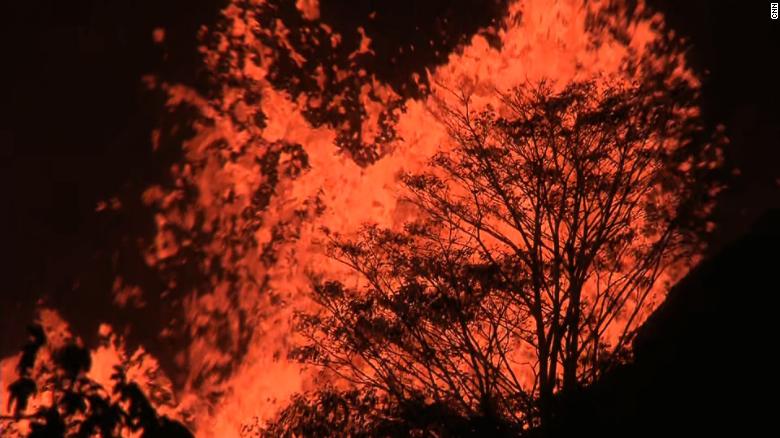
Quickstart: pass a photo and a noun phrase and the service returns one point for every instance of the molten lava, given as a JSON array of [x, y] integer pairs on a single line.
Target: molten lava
[[297, 136]]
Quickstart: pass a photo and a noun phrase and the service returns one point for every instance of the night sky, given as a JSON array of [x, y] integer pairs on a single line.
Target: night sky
[[75, 122]]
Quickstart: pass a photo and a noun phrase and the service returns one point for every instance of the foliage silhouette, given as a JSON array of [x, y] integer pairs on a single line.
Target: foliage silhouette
[[357, 413], [80, 407], [24, 387], [704, 332], [540, 237]]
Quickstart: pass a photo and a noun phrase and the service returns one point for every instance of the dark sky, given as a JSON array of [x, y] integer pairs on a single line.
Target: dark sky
[[735, 49], [75, 121]]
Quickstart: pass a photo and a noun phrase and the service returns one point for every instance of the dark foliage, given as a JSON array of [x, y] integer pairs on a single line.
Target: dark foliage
[[80, 407], [698, 368], [543, 229], [364, 414]]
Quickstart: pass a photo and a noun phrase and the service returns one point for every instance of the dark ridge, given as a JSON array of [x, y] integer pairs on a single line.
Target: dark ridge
[[703, 363]]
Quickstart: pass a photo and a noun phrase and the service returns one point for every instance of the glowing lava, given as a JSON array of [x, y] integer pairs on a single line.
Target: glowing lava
[[298, 136]]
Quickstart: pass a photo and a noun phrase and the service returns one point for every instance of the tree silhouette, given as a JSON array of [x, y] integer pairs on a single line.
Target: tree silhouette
[[360, 413], [80, 407], [540, 236]]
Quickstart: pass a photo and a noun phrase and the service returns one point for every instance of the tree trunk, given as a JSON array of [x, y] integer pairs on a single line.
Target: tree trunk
[[546, 407], [572, 341]]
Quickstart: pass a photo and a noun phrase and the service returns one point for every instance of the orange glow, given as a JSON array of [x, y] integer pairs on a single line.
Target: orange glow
[[250, 200], [158, 35], [140, 367]]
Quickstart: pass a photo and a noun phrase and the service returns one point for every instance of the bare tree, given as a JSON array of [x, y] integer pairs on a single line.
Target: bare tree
[[542, 233]]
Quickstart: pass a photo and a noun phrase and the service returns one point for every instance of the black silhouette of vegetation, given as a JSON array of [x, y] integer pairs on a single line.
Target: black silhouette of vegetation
[[78, 406], [691, 373], [539, 231]]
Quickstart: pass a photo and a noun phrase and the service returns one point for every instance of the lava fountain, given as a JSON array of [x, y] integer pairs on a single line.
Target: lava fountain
[[300, 132]]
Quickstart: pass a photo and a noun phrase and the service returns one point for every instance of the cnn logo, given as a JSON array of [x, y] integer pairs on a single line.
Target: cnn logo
[[773, 11]]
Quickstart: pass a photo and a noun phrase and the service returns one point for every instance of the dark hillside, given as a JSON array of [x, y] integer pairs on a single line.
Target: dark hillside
[[704, 362]]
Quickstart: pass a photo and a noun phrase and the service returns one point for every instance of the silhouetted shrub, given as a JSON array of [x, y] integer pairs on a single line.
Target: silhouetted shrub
[[79, 406]]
